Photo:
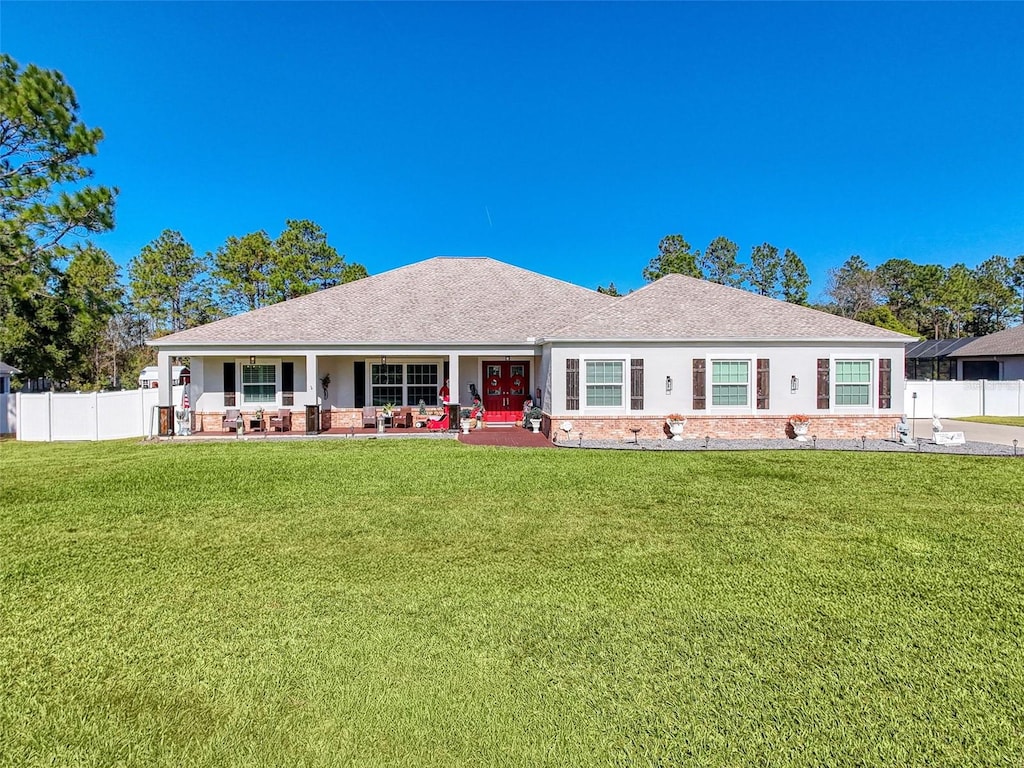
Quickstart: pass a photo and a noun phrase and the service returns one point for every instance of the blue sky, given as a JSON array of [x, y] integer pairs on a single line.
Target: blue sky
[[565, 138]]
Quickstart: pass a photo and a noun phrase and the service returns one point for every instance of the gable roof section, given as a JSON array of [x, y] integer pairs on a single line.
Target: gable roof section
[[441, 300], [1008, 342], [677, 307]]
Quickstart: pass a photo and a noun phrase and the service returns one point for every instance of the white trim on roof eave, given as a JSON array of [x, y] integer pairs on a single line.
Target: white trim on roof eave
[[731, 340], [336, 344]]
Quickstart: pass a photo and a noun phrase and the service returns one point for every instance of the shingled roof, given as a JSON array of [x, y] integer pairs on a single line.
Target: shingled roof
[[1008, 342], [437, 301], [677, 308]]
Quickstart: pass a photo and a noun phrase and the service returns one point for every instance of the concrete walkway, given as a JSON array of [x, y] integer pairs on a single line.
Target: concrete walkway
[[975, 433]]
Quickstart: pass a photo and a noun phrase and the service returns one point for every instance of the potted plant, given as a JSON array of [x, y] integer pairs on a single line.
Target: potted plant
[[800, 423], [675, 423], [534, 416], [387, 408], [464, 420]]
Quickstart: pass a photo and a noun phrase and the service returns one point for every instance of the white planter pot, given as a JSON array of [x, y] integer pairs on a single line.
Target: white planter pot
[[535, 425], [465, 426], [676, 429], [800, 430]]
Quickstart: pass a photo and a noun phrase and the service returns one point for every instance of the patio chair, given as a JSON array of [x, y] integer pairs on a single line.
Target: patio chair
[[230, 418], [369, 416], [282, 421], [401, 418]]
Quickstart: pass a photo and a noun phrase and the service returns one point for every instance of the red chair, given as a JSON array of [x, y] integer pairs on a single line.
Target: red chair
[[439, 424]]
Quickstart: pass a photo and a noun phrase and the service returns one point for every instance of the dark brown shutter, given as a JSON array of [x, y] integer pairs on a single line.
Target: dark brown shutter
[[823, 383], [572, 384], [699, 385], [229, 384], [636, 385], [287, 383], [885, 383], [359, 383], [763, 384]]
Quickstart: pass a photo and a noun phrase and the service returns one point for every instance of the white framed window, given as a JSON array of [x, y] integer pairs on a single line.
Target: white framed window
[[404, 383], [259, 384], [853, 382], [604, 383], [386, 383], [730, 383], [422, 381]]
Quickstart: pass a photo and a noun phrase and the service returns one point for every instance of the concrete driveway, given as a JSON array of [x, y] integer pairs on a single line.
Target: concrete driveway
[[975, 433]]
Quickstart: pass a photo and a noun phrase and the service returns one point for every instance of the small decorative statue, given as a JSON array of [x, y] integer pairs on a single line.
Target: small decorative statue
[[903, 431]]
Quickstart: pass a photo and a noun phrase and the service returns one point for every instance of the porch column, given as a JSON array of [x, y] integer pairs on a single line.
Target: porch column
[[164, 371], [312, 382], [454, 385]]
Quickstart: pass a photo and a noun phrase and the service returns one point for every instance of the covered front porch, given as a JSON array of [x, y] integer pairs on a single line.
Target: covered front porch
[[342, 384]]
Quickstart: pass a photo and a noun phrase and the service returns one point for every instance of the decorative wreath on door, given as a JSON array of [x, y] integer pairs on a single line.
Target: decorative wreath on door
[[517, 382], [494, 382]]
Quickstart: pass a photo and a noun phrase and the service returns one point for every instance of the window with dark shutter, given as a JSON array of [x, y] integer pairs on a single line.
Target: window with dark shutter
[[885, 383], [823, 384], [763, 384], [699, 384], [572, 384], [229, 384], [636, 385], [287, 383]]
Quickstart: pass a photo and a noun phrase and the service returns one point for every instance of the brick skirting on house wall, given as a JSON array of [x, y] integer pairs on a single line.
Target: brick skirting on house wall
[[621, 428], [722, 427]]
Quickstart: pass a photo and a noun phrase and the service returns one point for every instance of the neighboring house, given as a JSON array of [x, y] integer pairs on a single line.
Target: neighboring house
[[996, 357], [930, 360], [6, 372], [149, 377], [734, 363]]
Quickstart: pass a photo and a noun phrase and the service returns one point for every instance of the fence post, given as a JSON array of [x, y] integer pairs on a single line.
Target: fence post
[[49, 416], [96, 416]]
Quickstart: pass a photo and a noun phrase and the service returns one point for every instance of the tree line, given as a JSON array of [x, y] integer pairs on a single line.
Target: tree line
[[930, 300]]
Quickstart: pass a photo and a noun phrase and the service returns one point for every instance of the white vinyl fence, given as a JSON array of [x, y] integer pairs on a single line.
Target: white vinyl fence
[[52, 416], [949, 399]]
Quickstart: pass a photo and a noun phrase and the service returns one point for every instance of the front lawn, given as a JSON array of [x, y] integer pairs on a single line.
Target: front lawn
[[408, 603]]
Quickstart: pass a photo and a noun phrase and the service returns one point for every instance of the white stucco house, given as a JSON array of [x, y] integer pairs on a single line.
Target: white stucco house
[[733, 363], [996, 357]]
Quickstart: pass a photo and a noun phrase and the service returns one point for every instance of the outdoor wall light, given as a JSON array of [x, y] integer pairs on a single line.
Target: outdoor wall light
[[383, 359], [252, 359], [668, 385], [794, 383]]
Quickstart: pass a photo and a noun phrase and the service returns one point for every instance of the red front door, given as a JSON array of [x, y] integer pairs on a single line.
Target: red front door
[[506, 387]]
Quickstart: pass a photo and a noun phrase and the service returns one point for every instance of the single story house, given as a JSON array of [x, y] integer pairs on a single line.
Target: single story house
[[6, 372], [734, 363], [996, 357]]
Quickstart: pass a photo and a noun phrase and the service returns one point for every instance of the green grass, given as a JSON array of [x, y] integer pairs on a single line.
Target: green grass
[[403, 603], [1006, 421]]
